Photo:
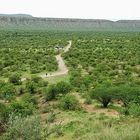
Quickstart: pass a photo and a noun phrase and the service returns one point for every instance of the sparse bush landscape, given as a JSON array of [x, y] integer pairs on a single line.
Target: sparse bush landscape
[[63, 85]]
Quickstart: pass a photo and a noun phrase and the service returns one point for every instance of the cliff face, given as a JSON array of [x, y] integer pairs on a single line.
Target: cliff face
[[29, 22]]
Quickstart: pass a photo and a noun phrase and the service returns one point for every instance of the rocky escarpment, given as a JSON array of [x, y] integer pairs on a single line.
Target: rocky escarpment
[[29, 22]]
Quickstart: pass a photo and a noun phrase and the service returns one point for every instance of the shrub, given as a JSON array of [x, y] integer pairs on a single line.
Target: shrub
[[4, 112], [56, 89], [31, 87], [39, 81], [36, 79], [21, 90], [63, 87], [134, 109], [51, 93], [88, 100], [128, 94], [69, 102], [15, 79], [21, 108], [7, 91], [28, 98], [28, 128]]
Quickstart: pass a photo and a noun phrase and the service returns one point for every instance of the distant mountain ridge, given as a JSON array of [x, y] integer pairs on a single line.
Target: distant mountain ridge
[[23, 21], [15, 15]]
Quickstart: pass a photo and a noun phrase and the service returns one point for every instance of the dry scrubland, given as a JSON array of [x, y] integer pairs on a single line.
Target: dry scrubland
[[97, 99]]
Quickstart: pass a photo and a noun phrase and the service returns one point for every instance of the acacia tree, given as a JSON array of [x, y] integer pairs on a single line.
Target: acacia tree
[[128, 94], [104, 94]]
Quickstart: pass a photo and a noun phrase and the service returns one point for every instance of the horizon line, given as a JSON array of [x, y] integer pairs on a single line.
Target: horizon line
[[110, 19]]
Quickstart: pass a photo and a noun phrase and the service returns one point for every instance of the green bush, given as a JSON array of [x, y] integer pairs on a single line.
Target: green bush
[[88, 100], [39, 81], [31, 87], [4, 113], [36, 79], [128, 94], [21, 108], [28, 128], [134, 109], [20, 90], [7, 91], [15, 79], [28, 98], [63, 87], [54, 90], [50, 93], [69, 102]]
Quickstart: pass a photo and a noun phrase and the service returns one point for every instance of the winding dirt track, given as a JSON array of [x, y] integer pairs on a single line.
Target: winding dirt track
[[62, 69]]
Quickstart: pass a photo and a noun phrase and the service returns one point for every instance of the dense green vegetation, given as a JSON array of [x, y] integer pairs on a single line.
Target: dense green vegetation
[[98, 99], [106, 57], [28, 52]]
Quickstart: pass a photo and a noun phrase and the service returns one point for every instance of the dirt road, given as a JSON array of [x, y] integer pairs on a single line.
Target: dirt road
[[62, 69]]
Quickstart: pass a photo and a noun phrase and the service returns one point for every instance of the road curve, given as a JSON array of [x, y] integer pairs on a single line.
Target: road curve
[[62, 69]]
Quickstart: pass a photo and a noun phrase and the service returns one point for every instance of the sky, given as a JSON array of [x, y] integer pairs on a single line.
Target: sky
[[87, 9]]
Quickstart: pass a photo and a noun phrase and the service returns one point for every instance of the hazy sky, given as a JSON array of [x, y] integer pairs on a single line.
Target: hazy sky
[[95, 9]]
